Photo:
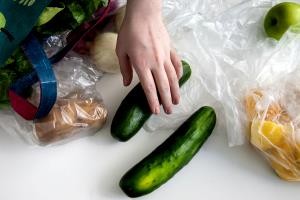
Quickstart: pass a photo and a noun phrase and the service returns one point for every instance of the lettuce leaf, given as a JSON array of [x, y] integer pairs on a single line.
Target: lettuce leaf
[[16, 67], [61, 15], [48, 14], [73, 14]]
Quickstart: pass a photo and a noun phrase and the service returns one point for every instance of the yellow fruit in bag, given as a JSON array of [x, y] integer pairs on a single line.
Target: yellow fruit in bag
[[285, 172], [274, 132], [266, 134], [274, 111], [283, 164], [297, 154], [250, 104]]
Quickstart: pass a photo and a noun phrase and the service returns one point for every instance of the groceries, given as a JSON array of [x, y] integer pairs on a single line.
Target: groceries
[[103, 52], [172, 155], [119, 18], [79, 110], [69, 117], [164, 162], [282, 17], [274, 127], [134, 110]]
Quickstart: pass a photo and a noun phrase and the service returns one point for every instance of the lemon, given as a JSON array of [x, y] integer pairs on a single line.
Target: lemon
[[285, 172], [266, 134], [297, 153]]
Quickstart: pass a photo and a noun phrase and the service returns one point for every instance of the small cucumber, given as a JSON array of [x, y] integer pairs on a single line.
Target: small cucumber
[[172, 155], [134, 110]]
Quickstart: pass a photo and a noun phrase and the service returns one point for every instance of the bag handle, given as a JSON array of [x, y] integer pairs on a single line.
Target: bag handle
[[43, 72]]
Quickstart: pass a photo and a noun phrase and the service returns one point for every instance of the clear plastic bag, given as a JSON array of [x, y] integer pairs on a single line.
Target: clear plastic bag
[[273, 112], [231, 59], [79, 109], [229, 53]]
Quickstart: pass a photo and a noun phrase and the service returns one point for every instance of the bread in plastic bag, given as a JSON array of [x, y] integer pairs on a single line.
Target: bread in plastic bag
[[79, 110], [69, 117]]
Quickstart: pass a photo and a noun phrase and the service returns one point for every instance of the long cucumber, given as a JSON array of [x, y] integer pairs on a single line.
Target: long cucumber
[[134, 110], [172, 155]]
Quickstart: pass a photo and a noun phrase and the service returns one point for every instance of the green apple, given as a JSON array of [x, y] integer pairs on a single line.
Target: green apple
[[2, 21], [280, 18]]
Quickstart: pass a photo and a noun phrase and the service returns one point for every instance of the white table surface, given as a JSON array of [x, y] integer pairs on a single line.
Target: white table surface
[[90, 168]]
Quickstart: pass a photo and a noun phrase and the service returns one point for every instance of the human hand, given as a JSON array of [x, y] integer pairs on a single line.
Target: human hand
[[144, 44]]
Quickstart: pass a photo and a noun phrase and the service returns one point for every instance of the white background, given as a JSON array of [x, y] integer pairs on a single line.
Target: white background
[[90, 168]]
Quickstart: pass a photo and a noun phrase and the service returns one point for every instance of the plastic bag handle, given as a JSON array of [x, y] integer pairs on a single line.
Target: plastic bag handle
[[43, 73]]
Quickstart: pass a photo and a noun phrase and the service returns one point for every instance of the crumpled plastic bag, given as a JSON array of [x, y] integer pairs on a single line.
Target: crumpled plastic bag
[[273, 112], [254, 78], [79, 110], [225, 43]]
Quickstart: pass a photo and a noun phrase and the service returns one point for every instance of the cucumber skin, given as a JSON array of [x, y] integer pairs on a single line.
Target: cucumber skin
[[134, 110], [172, 155]]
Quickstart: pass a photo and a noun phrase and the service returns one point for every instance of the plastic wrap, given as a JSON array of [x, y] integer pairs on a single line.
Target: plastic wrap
[[233, 60], [79, 109], [273, 112], [225, 43]]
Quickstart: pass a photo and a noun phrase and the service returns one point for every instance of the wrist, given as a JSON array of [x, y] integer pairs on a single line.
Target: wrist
[[144, 8]]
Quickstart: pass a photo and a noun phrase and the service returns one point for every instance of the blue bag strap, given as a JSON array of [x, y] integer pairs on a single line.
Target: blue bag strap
[[43, 73]]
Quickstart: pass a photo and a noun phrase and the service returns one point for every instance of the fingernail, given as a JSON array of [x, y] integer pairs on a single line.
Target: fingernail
[[168, 111], [176, 100]]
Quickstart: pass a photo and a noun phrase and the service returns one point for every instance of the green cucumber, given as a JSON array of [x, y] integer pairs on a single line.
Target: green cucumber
[[172, 155], [134, 110]]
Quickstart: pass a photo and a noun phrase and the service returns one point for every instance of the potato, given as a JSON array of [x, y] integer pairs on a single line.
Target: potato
[[119, 18], [103, 52]]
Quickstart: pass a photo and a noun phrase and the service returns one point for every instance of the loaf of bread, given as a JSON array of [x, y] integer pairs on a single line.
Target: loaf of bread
[[70, 117]]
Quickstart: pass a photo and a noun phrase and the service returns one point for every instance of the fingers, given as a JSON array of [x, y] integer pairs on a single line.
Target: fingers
[[162, 80], [163, 86], [173, 82], [126, 69], [149, 87], [176, 63]]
